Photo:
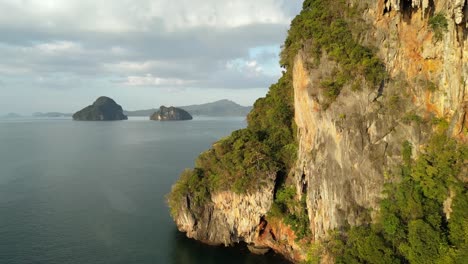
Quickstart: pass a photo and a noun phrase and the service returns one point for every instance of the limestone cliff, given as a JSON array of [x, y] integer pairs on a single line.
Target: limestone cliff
[[345, 149], [350, 136], [170, 114], [228, 217]]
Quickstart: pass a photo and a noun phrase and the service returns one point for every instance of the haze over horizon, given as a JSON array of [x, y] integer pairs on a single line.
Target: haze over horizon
[[62, 55]]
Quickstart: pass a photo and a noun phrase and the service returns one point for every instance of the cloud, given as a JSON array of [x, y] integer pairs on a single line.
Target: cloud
[[150, 80], [130, 15], [232, 44]]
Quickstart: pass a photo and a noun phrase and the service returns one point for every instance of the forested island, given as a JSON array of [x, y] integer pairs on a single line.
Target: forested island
[[103, 109]]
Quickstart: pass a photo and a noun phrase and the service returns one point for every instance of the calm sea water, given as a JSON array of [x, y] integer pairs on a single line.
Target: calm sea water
[[93, 192]]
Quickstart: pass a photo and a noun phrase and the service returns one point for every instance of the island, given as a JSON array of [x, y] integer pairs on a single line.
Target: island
[[51, 115], [219, 108], [170, 114], [103, 109], [11, 116]]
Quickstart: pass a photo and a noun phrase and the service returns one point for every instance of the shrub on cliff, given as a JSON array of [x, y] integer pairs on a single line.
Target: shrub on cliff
[[439, 25], [327, 27], [414, 225], [247, 158], [293, 212]]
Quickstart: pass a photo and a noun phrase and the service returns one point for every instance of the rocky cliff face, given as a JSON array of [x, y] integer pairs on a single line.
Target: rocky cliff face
[[347, 147], [170, 114], [228, 217], [103, 109]]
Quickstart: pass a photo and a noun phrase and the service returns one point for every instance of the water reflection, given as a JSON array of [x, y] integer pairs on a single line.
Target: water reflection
[[189, 251]]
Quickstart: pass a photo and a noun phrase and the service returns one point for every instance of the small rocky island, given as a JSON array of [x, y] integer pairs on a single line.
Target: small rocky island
[[103, 109], [170, 114]]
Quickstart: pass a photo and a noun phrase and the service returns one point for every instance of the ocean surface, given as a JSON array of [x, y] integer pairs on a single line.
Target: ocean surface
[[94, 192]]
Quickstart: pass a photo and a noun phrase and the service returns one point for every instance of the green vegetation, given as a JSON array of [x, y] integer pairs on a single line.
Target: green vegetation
[[248, 158], [314, 254], [439, 25], [267, 147], [322, 26], [427, 84], [103, 109], [413, 227], [412, 117], [293, 212], [394, 101]]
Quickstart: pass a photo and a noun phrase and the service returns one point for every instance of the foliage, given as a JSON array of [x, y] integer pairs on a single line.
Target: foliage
[[314, 253], [412, 225], [248, 158], [292, 211], [329, 27], [412, 117], [191, 185], [363, 246], [439, 25]]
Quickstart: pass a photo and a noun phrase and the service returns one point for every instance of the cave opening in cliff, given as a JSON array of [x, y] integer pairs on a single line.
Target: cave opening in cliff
[[464, 24], [406, 8], [430, 10], [304, 184], [279, 182], [387, 8], [262, 226]]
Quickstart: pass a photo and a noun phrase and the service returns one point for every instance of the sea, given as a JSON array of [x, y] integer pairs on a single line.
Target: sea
[[94, 192]]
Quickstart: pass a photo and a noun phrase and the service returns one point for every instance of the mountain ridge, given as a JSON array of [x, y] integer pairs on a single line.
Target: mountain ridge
[[222, 107]]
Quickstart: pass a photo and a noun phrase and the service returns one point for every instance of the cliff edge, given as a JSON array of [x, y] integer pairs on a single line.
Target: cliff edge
[[372, 102]]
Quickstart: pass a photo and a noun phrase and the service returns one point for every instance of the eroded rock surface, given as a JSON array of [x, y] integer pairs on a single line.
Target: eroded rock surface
[[171, 114]]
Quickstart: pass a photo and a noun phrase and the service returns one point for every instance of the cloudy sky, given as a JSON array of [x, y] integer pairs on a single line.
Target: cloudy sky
[[59, 55]]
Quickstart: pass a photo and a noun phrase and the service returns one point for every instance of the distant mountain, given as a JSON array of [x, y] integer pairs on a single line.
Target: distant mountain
[[11, 115], [146, 112], [218, 108], [51, 114]]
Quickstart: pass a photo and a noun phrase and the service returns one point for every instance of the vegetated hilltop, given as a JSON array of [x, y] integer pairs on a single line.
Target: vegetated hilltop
[[170, 114], [358, 154], [103, 109]]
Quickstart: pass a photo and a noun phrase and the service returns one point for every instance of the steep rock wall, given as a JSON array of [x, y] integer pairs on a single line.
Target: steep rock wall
[[228, 217], [345, 149]]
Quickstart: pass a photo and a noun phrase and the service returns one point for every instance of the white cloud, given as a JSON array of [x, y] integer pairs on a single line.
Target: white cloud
[[250, 68], [218, 14], [129, 66], [85, 45], [141, 15], [150, 80], [58, 47]]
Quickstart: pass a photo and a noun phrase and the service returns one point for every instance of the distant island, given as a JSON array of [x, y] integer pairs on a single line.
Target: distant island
[[103, 109], [218, 108], [170, 114], [51, 114], [11, 115]]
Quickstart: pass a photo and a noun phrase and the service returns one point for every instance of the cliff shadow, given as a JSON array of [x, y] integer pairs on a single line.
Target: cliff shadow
[[189, 251]]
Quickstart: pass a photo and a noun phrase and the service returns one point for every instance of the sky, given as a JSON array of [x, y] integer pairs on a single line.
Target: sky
[[60, 55]]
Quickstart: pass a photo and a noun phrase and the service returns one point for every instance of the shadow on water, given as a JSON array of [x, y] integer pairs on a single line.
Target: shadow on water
[[189, 251]]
